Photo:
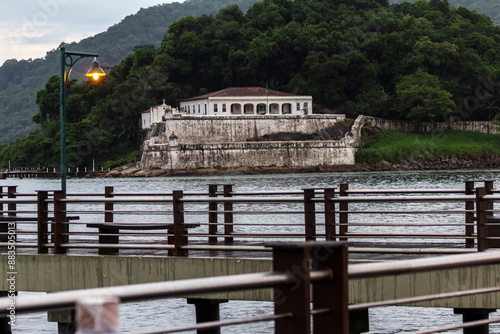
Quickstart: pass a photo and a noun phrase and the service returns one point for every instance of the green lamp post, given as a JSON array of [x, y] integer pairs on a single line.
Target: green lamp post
[[68, 60]]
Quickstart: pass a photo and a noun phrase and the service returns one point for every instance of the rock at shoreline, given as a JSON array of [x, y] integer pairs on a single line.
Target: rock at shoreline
[[130, 171], [437, 164], [157, 172], [113, 173]]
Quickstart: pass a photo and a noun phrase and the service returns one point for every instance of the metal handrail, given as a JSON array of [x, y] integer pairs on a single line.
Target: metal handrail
[[426, 264], [183, 288], [159, 290], [220, 323], [455, 198], [412, 300]]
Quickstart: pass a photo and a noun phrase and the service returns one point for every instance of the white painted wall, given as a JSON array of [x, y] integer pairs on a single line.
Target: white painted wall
[[294, 105], [146, 120]]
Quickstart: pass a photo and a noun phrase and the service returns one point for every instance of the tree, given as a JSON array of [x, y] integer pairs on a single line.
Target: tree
[[48, 100], [421, 97]]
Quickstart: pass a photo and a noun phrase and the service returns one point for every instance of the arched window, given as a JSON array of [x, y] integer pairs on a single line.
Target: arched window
[[286, 108], [236, 109], [274, 108], [249, 109], [261, 109]]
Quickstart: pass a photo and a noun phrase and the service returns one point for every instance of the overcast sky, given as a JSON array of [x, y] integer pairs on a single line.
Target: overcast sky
[[30, 28]]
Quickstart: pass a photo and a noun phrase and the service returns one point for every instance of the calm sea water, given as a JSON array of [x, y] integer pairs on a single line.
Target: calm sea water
[[141, 317]]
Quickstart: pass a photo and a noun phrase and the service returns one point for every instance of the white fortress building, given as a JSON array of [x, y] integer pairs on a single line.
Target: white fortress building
[[233, 101], [229, 129], [156, 115], [247, 101]]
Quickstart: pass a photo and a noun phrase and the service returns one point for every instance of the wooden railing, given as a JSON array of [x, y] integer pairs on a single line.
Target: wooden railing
[[306, 273], [410, 221]]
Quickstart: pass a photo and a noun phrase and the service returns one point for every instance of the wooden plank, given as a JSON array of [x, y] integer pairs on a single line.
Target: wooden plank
[[125, 226]]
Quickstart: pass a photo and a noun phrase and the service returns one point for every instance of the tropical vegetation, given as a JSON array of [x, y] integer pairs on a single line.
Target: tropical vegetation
[[422, 61]]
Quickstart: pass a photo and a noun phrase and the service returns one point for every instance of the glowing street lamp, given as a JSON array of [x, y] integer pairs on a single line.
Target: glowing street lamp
[[68, 60], [95, 70]]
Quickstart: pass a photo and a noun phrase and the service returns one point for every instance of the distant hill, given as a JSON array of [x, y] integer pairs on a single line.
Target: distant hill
[[21, 79], [490, 8]]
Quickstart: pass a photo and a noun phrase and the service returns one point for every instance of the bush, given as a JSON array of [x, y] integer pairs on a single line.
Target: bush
[[114, 164], [396, 146]]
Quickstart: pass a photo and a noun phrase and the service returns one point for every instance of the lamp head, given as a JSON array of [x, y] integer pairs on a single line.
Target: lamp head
[[95, 70]]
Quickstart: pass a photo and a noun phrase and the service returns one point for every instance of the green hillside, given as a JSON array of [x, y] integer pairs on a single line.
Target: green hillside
[[490, 8], [21, 79], [424, 61]]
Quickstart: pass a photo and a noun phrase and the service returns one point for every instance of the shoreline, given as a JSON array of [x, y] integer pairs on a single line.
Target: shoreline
[[443, 163]]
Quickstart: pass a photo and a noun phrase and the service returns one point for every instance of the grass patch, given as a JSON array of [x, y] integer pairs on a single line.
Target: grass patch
[[397, 146]]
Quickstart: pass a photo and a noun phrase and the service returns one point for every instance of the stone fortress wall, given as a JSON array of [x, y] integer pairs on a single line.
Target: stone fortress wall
[[185, 142]]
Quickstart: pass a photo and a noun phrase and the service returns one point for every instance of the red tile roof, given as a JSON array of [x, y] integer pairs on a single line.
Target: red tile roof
[[240, 92]]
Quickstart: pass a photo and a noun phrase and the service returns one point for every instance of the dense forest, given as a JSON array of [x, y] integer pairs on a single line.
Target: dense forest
[[21, 79], [414, 61]]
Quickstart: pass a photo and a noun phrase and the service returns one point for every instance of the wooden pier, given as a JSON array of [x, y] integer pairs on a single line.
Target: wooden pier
[[393, 254], [48, 173]]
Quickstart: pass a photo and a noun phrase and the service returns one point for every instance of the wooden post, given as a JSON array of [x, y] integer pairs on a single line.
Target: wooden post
[[11, 211], [3, 226], [469, 216], [5, 327], [207, 310], [330, 232], [309, 215], [212, 214], [108, 218], [59, 220], [482, 214], [65, 319], [11, 190], [1, 204], [180, 232], [489, 187], [470, 314], [343, 216], [228, 214], [108, 207], [492, 230], [43, 222], [12, 207], [332, 295], [297, 298]]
